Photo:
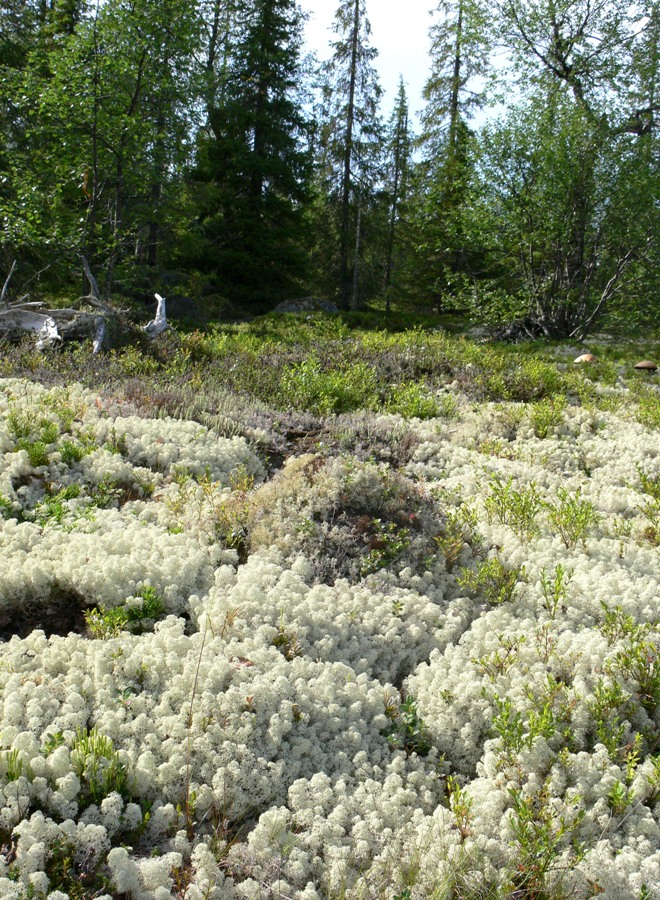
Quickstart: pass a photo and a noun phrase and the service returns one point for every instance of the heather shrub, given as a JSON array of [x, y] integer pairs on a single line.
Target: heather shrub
[[350, 518]]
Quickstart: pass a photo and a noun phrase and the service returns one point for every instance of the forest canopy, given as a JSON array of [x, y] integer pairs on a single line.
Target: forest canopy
[[198, 149]]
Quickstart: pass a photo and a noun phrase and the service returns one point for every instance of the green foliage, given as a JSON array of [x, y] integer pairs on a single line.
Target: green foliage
[[649, 484], [66, 873], [413, 400], [98, 766], [555, 589], [547, 170], [36, 450], [513, 506], [632, 679], [547, 415], [133, 362], [349, 216], [501, 660], [571, 516], [109, 623], [252, 168], [19, 424], [492, 579], [93, 107], [461, 806], [228, 515], [442, 205], [54, 509], [639, 662], [459, 529], [34, 434], [106, 623], [15, 767], [398, 186], [607, 708], [509, 725], [647, 411], [6, 507], [407, 730], [616, 625], [308, 385], [518, 732], [620, 798], [651, 509], [540, 835], [51, 742], [387, 543], [72, 451], [286, 641]]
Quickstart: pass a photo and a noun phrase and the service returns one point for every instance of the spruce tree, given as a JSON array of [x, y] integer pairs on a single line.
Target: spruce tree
[[453, 92], [398, 175], [350, 144], [253, 163]]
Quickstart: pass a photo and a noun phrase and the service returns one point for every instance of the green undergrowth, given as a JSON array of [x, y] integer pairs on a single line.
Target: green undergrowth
[[327, 365]]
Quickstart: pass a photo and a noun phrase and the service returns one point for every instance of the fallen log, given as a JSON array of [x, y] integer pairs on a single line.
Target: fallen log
[[87, 318], [16, 320], [94, 321]]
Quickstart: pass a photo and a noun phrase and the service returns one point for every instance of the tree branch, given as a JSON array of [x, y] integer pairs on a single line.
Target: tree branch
[[92, 281], [6, 284]]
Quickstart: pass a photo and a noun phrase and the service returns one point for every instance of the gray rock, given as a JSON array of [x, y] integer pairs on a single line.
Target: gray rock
[[306, 304]]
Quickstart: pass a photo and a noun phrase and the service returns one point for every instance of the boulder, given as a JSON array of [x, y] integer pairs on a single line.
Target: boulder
[[306, 304]]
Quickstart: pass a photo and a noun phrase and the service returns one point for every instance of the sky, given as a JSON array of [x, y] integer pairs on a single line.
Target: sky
[[399, 31]]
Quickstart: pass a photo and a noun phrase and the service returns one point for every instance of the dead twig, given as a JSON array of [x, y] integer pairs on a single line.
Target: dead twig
[[92, 281], [6, 284]]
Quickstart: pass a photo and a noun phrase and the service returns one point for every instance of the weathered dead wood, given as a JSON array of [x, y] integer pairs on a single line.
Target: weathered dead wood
[[15, 321], [95, 320], [159, 323], [88, 317], [92, 281], [6, 284]]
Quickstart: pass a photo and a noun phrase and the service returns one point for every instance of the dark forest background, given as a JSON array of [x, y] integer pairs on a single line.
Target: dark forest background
[[197, 149]]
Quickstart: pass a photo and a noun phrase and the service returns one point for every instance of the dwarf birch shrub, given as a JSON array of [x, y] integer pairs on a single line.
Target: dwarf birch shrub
[[513, 506], [493, 579], [546, 415], [308, 385], [571, 516]]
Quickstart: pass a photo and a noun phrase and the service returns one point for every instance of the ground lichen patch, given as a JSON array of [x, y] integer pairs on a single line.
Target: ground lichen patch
[[430, 673]]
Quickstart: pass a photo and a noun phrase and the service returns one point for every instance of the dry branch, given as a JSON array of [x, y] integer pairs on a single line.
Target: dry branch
[[6, 284]]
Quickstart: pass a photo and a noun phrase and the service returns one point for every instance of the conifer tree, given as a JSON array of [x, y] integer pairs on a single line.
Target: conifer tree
[[253, 162], [350, 141], [398, 174], [453, 92]]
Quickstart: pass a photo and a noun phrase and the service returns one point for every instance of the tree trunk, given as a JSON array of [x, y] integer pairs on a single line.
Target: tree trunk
[[160, 157], [345, 276], [401, 129], [454, 109], [118, 217], [355, 296]]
